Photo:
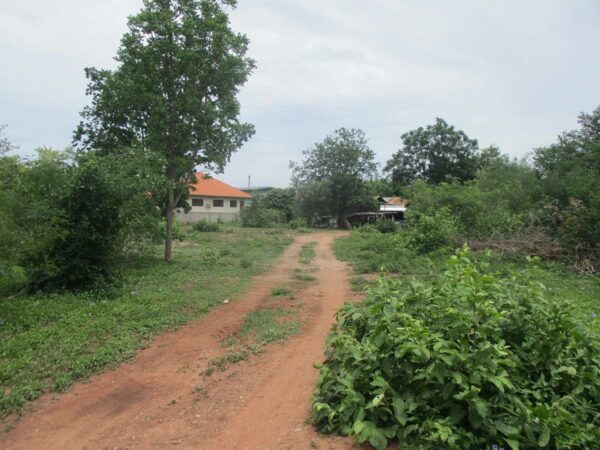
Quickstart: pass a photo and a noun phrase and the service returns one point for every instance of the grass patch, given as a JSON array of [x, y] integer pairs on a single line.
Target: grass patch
[[261, 327], [270, 325], [282, 292], [220, 363], [304, 277], [307, 253], [49, 342], [359, 284]]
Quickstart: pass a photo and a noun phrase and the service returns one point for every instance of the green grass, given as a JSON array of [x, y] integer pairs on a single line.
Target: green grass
[[264, 326], [261, 327], [282, 292], [359, 284], [384, 253], [49, 342], [307, 253], [304, 277]]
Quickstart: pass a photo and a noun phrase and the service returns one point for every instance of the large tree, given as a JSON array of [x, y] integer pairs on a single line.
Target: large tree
[[570, 173], [434, 154], [335, 171], [173, 94]]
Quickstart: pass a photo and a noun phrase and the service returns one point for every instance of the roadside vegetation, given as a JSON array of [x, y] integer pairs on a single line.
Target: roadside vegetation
[[460, 348], [48, 341], [472, 352], [307, 253]]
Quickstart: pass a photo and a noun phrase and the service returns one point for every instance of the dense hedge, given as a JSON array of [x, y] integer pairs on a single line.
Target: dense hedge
[[467, 361]]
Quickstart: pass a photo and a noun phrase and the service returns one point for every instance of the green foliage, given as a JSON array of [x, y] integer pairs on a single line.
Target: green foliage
[[428, 232], [434, 154], [257, 217], [386, 226], [331, 178], [570, 173], [66, 221], [298, 224], [499, 202], [47, 342], [283, 200], [373, 251], [307, 253], [469, 360], [270, 325], [281, 292], [206, 226], [174, 93], [5, 145]]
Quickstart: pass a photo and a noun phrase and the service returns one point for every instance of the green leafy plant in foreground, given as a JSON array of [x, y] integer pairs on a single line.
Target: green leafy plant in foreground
[[467, 361]]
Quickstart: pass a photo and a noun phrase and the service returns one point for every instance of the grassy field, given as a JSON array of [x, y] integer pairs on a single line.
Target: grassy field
[[372, 253], [48, 342]]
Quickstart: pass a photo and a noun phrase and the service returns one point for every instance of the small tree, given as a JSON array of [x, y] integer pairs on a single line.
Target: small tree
[[434, 154], [173, 94], [337, 169]]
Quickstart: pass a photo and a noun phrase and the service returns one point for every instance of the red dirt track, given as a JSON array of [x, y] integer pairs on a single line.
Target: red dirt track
[[162, 399]]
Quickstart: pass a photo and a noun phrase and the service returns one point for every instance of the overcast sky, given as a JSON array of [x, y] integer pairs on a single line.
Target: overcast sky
[[510, 73]]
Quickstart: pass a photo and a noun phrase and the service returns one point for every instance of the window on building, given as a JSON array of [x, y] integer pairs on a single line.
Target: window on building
[[218, 203], [233, 203], [197, 202]]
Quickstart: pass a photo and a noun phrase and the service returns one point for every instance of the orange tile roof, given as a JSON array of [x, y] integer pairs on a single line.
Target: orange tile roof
[[211, 187], [396, 201]]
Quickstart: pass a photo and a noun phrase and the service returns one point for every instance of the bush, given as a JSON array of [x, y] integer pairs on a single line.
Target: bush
[[257, 217], [429, 232], [470, 360], [66, 224], [297, 224], [387, 226], [204, 226]]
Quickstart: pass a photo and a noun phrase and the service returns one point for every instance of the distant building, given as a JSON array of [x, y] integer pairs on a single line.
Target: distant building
[[257, 192], [212, 200], [390, 208]]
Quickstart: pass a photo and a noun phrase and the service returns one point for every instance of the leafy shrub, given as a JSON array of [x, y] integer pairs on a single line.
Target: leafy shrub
[[261, 217], [297, 224], [205, 226], [469, 360], [368, 228], [429, 232], [386, 226]]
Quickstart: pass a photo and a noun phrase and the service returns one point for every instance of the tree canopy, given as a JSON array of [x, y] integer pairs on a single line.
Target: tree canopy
[[173, 94], [333, 174], [434, 154]]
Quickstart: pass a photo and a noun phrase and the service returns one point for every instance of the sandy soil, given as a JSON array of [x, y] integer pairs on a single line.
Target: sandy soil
[[163, 399]]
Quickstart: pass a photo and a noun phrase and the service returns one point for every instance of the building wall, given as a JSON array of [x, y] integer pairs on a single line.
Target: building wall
[[211, 213]]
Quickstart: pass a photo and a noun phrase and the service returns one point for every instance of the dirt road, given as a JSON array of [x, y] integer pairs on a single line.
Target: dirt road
[[164, 399]]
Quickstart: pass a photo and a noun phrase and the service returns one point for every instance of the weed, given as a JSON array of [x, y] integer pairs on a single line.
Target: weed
[[359, 284], [205, 226], [304, 277], [282, 292], [221, 362], [267, 325], [307, 253]]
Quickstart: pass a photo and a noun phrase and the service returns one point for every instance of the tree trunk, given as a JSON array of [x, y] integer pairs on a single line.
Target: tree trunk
[[170, 210]]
